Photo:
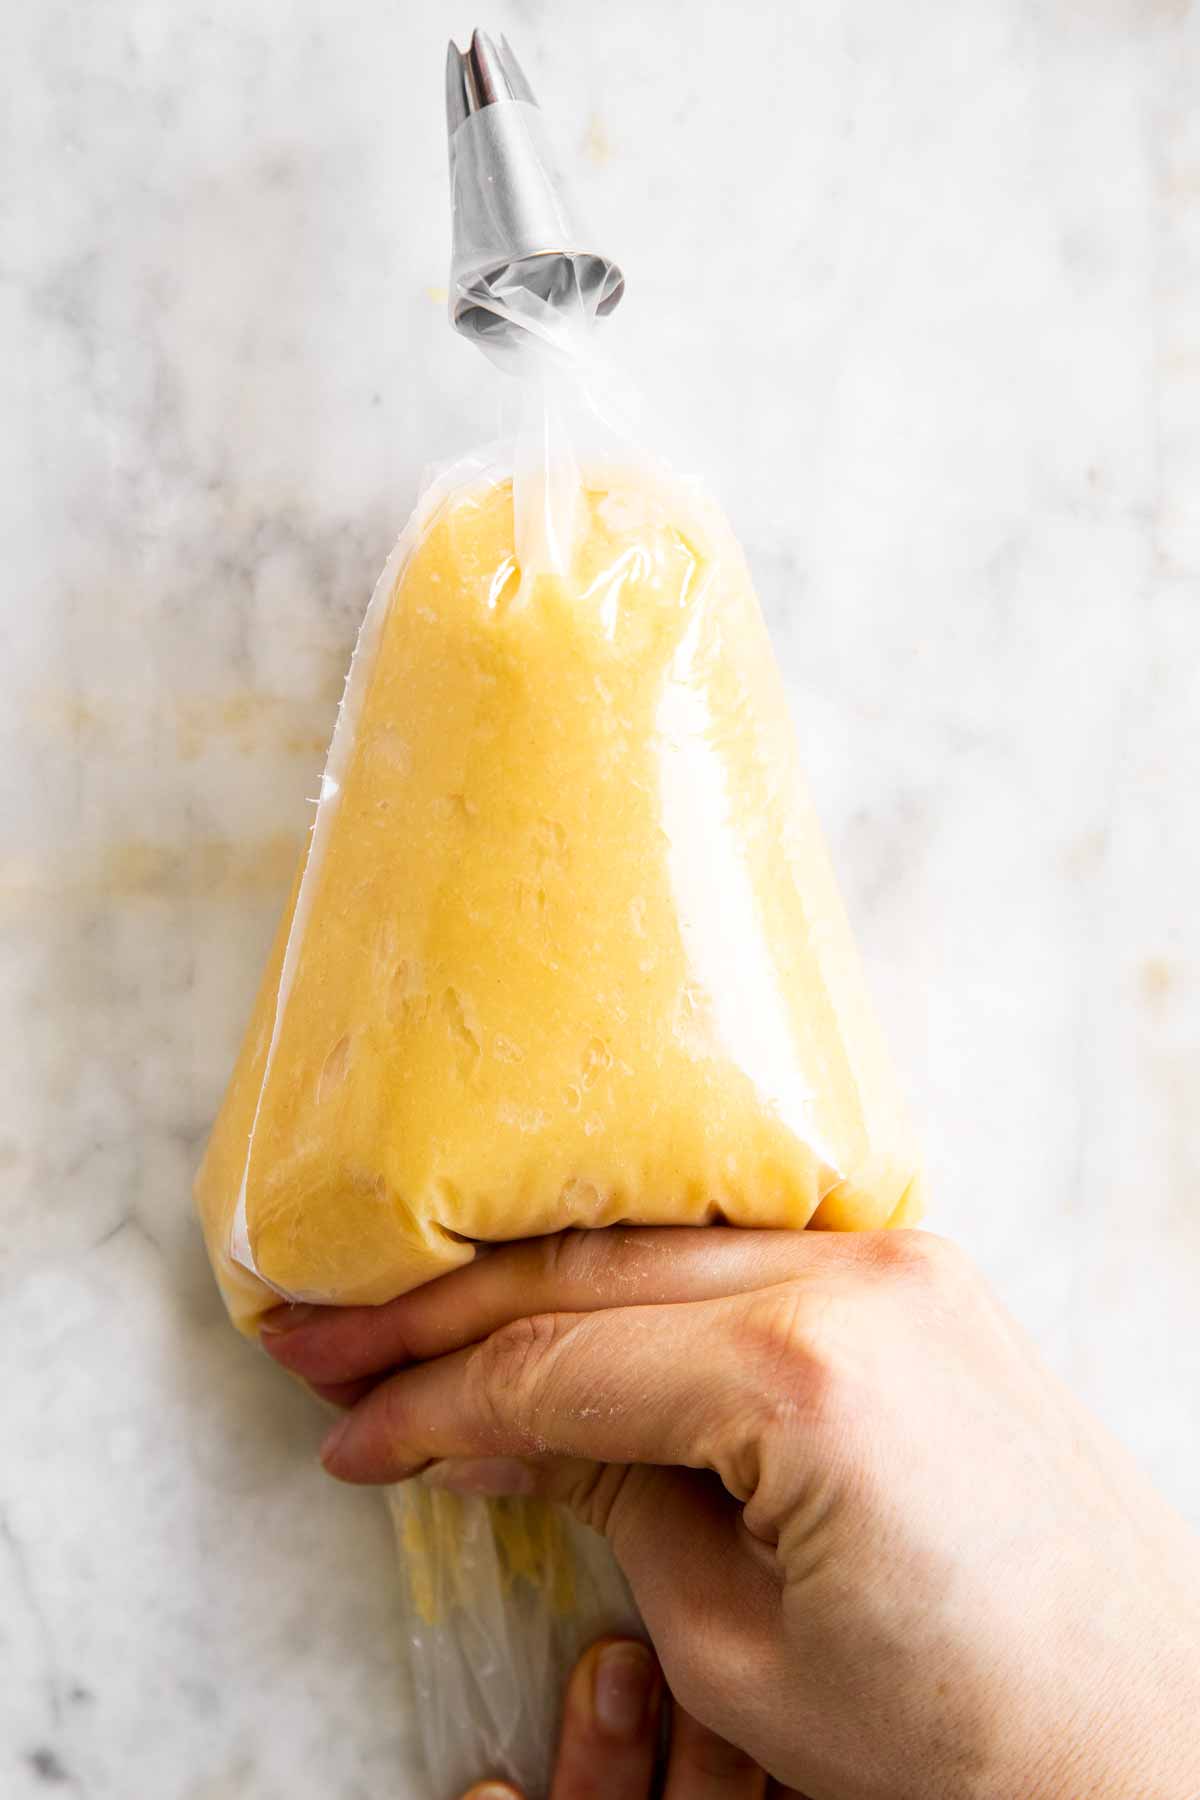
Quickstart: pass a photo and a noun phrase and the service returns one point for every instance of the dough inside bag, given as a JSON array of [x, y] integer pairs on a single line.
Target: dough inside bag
[[567, 949]]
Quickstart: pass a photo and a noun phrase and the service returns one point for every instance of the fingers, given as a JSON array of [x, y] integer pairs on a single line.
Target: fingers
[[644, 1384], [609, 1736], [574, 1271], [610, 1730], [702, 1766]]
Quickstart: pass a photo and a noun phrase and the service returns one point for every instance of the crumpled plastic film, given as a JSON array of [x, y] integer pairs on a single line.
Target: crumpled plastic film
[[500, 1599]]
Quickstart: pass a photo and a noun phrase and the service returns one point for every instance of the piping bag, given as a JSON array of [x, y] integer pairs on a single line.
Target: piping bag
[[564, 948]]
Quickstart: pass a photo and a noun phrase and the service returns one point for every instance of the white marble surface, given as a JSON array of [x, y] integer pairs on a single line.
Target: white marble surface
[[921, 286]]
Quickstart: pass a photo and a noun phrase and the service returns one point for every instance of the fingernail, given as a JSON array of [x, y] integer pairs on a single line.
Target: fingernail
[[494, 1475], [493, 1790], [623, 1688], [332, 1438], [285, 1318]]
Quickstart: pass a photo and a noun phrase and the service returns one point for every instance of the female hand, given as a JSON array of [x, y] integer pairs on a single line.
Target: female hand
[[608, 1744], [876, 1545]]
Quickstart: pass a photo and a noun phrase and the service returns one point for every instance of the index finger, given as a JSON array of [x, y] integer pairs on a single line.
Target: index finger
[[573, 1271]]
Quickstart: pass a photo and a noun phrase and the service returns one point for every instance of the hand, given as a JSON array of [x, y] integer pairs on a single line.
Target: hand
[[874, 1542], [607, 1748]]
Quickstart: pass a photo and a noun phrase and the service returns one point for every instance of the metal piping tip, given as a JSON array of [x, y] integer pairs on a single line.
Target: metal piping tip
[[457, 103], [483, 74], [518, 85], [519, 256]]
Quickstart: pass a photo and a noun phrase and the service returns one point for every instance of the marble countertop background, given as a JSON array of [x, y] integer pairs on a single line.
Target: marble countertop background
[[920, 287]]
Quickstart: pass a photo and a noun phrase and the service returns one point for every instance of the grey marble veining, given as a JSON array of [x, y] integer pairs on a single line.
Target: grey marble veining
[[942, 360]]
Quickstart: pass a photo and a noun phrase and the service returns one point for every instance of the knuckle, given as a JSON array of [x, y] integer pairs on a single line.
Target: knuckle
[[776, 1326], [507, 1372], [807, 1350], [921, 1256], [584, 1261], [568, 1258], [783, 1334]]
